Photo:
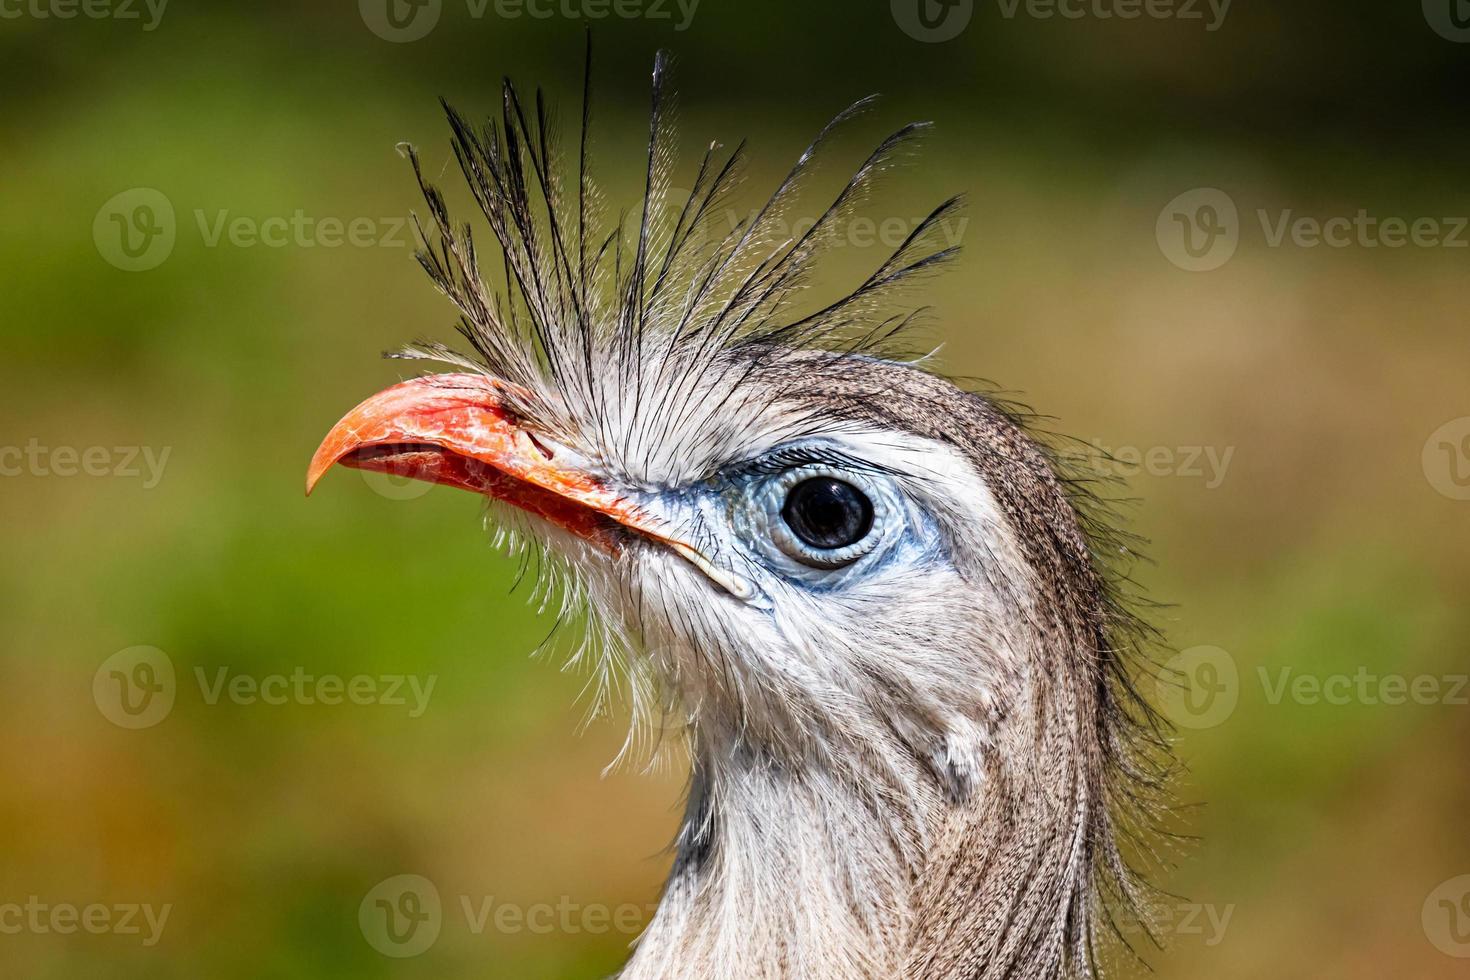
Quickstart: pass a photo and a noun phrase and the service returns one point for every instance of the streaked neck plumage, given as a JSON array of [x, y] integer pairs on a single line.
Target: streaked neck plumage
[[869, 867]]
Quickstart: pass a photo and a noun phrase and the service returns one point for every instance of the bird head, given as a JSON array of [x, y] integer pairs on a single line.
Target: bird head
[[869, 592], [829, 565]]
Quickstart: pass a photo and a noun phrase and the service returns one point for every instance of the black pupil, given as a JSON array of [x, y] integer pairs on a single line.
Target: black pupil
[[827, 513]]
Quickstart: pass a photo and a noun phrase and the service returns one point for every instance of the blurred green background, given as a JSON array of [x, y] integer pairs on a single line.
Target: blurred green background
[[1327, 384]]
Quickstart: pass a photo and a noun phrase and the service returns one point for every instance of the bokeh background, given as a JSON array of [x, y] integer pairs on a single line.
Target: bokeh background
[[1298, 416]]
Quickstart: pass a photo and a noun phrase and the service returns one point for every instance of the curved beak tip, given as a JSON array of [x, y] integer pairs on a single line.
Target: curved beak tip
[[317, 470], [453, 429]]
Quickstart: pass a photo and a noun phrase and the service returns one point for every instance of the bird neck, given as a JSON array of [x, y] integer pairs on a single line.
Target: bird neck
[[807, 872], [783, 872]]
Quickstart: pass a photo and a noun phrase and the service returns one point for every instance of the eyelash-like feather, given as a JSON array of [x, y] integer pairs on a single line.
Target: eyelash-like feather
[[795, 457]]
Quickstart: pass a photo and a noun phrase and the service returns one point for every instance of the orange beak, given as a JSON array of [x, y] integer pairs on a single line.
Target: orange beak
[[455, 430]]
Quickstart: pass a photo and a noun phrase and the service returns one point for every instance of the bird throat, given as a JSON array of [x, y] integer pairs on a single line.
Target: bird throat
[[867, 869], [775, 869]]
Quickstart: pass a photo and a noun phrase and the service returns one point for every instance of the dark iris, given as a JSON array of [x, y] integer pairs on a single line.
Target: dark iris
[[827, 513]]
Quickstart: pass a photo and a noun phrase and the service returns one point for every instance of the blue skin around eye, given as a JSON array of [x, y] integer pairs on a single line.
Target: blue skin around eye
[[736, 518]]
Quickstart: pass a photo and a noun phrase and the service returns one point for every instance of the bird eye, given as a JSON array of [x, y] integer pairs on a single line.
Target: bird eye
[[828, 514], [822, 518]]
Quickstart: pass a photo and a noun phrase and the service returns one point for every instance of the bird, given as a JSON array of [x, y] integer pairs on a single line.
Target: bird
[[892, 619]]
